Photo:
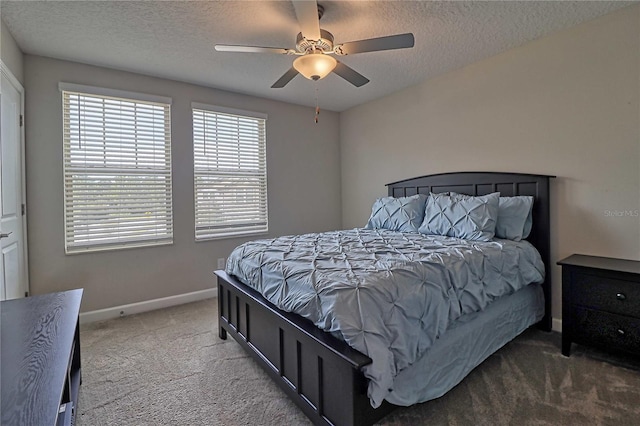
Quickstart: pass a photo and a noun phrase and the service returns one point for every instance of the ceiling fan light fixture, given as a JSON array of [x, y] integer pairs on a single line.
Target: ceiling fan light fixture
[[315, 66]]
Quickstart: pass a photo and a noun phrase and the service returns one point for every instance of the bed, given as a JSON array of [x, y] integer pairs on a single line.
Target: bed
[[326, 377]]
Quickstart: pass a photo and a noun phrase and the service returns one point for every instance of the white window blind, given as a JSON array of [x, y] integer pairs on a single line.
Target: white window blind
[[117, 172], [230, 172]]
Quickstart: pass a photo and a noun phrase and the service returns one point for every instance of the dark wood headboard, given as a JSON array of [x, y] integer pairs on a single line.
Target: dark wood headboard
[[507, 184]]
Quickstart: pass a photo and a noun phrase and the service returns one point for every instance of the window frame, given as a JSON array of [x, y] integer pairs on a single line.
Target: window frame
[[72, 247], [240, 231]]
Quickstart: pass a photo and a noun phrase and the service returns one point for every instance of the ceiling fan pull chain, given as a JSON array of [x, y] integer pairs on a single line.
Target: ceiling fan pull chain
[[317, 107]]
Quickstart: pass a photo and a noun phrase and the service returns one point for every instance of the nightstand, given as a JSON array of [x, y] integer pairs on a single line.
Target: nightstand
[[600, 303]]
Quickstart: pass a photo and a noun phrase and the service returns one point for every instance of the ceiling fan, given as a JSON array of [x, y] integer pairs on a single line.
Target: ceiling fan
[[314, 47]]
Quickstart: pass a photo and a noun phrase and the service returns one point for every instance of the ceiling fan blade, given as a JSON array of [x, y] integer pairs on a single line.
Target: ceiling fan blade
[[351, 75], [251, 49], [399, 41], [286, 78], [307, 14]]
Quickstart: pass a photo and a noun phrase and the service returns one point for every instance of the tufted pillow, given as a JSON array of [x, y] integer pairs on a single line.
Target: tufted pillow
[[402, 214], [461, 216]]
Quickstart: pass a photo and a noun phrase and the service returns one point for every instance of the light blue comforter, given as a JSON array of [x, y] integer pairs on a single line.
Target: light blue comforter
[[387, 294]]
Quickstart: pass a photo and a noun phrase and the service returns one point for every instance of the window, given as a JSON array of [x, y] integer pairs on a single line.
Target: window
[[117, 169], [230, 172]]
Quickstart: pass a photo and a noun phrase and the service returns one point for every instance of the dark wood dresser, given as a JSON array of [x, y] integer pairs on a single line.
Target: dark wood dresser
[[600, 303], [40, 362]]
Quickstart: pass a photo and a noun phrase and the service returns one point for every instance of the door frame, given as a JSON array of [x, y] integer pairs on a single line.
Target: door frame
[[16, 84]]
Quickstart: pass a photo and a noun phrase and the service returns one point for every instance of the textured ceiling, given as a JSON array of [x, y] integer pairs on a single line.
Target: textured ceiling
[[174, 39]]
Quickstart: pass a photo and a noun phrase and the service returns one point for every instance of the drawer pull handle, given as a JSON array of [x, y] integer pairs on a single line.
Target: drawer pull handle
[[621, 296], [621, 332]]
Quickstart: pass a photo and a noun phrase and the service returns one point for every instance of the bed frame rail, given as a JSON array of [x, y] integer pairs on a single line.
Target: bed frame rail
[[316, 377]]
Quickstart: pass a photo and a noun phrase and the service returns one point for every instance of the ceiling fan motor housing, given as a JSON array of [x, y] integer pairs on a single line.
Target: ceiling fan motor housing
[[325, 43]]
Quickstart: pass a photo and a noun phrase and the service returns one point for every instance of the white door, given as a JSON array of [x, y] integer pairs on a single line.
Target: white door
[[13, 259]]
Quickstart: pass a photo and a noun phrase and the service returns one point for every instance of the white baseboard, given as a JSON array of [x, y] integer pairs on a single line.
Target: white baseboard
[[147, 305], [165, 302]]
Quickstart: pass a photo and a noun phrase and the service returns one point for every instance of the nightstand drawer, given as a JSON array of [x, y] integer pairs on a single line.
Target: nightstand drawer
[[605, 329], [607, 294]]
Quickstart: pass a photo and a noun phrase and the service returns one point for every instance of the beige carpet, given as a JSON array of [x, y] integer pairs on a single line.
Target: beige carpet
[[169, 367]]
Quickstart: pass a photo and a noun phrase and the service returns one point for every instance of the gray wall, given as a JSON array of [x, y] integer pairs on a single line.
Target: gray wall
[[11, 54], [303, 162], [564, 105]]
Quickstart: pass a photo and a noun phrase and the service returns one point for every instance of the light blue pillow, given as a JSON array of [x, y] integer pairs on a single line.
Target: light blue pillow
[[514, 217], [402, 214], [461, 216]]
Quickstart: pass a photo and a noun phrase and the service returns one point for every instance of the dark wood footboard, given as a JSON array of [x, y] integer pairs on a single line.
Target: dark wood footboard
[[319, 372]]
